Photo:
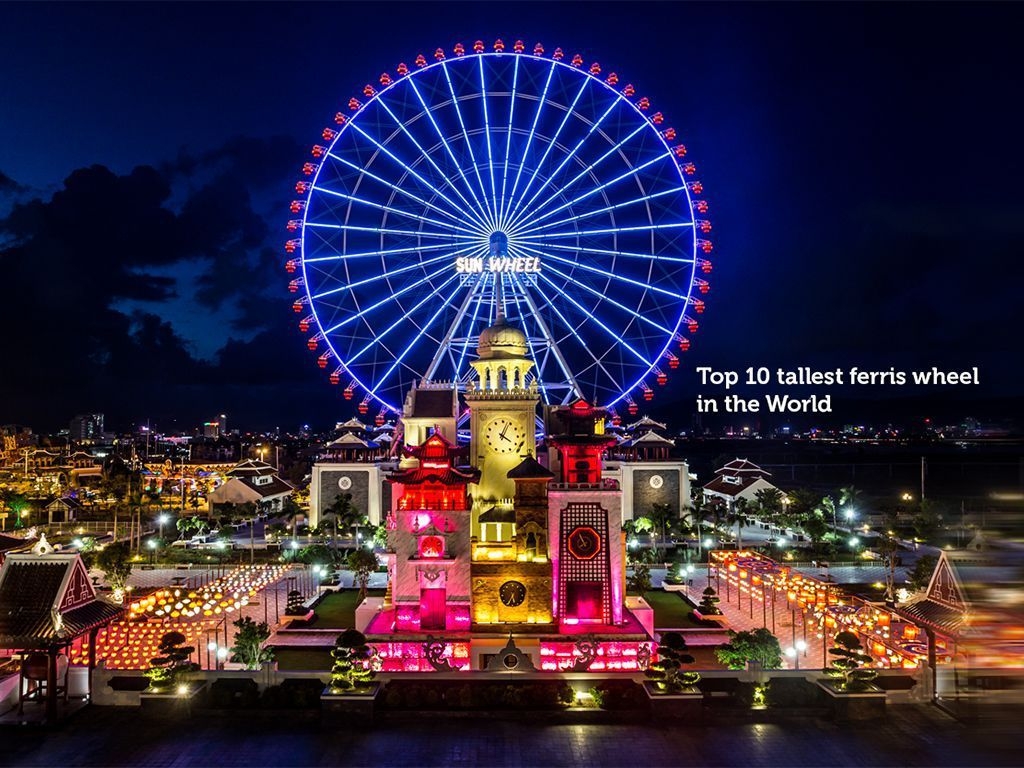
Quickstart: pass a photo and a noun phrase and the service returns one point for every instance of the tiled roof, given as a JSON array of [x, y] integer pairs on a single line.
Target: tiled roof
[[742, 467], [28, 592], [450, 476], [529, 468], [724, 487], [935, 615]]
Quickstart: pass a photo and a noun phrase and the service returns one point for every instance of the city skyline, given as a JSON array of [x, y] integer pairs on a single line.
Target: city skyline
[[860, 181]]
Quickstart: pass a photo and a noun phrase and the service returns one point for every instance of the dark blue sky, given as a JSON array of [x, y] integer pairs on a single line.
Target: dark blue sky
[[862, 163]]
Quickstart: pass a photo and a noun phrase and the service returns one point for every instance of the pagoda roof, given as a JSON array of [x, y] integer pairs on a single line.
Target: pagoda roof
[[742, 467], [251, 468], [649, 438], [446, 475], [351, 440], [645, 421], [529, 469], [48, 600]]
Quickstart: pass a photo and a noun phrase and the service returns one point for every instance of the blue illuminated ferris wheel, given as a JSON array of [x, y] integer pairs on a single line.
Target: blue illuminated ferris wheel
[[505, 176]]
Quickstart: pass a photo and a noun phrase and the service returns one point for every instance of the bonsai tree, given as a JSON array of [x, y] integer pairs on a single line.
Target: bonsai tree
[[353, 662], [294, 606], [249, 646], [362, 563], [172, 667], [666, 673], [848, 665], [758, 645], [709, 602]]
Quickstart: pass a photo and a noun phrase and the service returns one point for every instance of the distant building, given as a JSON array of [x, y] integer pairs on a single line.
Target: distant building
[[211, 429], [251, 481], [86, 427], [739, 479]]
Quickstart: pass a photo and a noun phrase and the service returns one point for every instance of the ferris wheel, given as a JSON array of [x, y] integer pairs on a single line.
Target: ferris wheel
[[492, 176]]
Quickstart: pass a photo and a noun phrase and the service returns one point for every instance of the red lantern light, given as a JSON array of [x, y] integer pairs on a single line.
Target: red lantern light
[[478, 46], [348, 392], [669, 133], [577, 61], [459, 49], [313, 344], [304, 324], [368, 90], [595, 69], [612, 79], [691, 326], [385, 79], [353, 103], [293, 224], [558, 55], [363, 407], [335, 378], [499, 46], [644, 103], [698, 306], [680, 150], [629, 90], [301, 188], [657, 118], [421, 61], [648, 394], [402, 69], [293, 286], [340, 119], [291, 265], [538, 50], [662, 379], [519, 46], [318, 150], [309, 168], [439, 54], [633, 409], [684, 344], [673, 362], [322, 360]]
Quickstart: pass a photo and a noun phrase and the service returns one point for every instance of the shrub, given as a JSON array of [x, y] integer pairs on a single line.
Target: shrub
[[248, 648], [758, 645]]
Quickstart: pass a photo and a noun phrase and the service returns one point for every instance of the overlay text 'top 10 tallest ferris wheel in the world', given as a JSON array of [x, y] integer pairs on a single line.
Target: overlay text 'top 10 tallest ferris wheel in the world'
[[501, 174]]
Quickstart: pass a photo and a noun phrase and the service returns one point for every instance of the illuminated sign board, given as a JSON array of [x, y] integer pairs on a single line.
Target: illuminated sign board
[[469, 265]]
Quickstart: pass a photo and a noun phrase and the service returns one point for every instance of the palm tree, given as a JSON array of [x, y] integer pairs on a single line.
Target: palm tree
[[769, 505], [738, 515], [850, 496]]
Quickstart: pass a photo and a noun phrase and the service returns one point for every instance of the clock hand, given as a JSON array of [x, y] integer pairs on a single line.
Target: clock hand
[[505, 437], [502, 434]]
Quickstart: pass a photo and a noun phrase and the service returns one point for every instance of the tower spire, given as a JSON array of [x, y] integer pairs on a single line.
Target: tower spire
[[499, 250]]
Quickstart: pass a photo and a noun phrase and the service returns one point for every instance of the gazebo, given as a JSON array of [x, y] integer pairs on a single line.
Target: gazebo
[[47, 601]]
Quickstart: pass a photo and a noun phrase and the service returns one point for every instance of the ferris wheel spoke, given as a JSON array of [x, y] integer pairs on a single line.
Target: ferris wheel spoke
[[605, 273], [631, 172], [395, 187], [392, 273], [608, 231], [387, 231], [379, 336], [400, 357], [547, 151], [529, 141], [469, 145], [635, 201], [586, 347], [441, 174], [487, 136], [363, 312], [458, 165], [579, 283], [508, 142], [364, 254], [614, 336], [540, 362], [549, 337], [627, 254], [565, 160], [444, 347], [469, 331], [408, 169], [396, 211]]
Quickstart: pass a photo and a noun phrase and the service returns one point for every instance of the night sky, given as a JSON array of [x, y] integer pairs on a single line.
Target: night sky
[[862, 163]]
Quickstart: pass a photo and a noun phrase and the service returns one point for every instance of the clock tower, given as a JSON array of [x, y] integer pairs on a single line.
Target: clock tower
[[503, 408]]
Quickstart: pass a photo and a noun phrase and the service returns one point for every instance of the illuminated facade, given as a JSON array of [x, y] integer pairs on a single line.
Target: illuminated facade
[[489, 541]]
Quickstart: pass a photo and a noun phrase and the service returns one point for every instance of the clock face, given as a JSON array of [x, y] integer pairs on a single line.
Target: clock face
[[504, 436], [345, 482], [584, 543], [512, 593], [656, 481]]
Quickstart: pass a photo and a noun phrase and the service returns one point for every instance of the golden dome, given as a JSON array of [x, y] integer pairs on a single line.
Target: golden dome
[[501, 341]]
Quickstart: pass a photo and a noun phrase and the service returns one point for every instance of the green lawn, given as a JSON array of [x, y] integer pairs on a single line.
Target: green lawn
[[337, 610], [670, 610]]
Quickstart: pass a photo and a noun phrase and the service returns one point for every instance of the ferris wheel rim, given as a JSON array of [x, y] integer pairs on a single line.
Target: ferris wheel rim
[[511, 215]]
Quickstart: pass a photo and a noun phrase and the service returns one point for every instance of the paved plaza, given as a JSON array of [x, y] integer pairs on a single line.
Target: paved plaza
[[910, 736]]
